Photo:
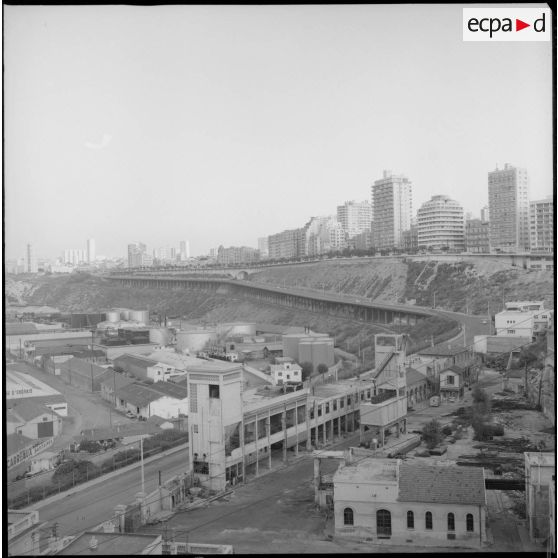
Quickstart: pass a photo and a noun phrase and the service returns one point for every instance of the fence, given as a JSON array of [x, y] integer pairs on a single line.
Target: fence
[[20, 494]]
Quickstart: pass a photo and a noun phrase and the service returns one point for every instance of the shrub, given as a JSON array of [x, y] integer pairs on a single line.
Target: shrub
[[446, 431], [432, 433]]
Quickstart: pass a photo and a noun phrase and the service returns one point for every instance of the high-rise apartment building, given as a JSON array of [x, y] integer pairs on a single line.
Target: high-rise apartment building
[[355, 217], [237, 255], [485, 214], [476, 236], [392, 204], [75, 256], [91, 250], [287, 244], [541, 225], [184, 249], [31, 260], [263, 247], [508, 203], [440, 224], [138, 256]]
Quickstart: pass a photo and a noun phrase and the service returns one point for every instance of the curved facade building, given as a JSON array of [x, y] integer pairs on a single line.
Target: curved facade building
[[441, 224]]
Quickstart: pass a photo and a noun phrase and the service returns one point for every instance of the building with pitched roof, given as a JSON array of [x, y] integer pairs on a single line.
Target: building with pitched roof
[[144, 368], [83, 374], [389, 501], [418, 387], [167, 400], [32, 419]]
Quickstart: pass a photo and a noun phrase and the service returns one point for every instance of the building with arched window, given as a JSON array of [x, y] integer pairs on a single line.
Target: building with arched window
[[389, 501]]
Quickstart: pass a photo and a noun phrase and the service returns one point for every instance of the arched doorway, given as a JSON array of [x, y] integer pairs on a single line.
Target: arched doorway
[[383, 523]]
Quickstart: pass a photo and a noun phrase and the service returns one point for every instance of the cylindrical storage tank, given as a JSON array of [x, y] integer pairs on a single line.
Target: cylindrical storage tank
[[142, 316], [322, 352], [135, 315], [290, 345], [160, 335], [124, 314], [305, 353], [195, 340], [113, 316]]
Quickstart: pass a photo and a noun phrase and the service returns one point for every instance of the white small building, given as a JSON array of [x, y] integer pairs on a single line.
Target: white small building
[[390, 502], [523, 319], [285, 372], [451, 384]]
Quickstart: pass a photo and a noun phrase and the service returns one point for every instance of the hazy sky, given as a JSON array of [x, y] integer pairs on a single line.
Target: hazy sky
[[219, 125]]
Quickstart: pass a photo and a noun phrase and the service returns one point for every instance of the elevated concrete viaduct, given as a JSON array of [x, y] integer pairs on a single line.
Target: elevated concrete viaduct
[[343, 306]]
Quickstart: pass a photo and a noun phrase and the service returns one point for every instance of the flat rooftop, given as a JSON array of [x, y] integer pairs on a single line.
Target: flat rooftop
[[340, 388]]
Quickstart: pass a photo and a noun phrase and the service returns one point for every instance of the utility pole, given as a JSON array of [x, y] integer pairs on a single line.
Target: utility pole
[[142, 473]]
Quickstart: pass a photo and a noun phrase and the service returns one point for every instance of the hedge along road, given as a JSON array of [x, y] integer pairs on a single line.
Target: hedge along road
[[89, 504]]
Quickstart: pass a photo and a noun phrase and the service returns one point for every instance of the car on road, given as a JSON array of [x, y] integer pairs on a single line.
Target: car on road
[[452, 399], [129, 414]]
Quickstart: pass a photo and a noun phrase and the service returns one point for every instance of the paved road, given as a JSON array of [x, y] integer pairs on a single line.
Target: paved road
[[90, 507]]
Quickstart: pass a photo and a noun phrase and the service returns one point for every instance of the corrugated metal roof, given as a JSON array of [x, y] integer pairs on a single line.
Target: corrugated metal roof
[[27, 409], [441, 484]]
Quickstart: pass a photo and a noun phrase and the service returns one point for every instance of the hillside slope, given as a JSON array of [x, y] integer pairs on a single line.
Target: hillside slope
[[459, 286]]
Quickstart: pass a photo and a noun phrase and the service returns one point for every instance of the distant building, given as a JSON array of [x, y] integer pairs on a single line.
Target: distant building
[[392, 204], [138, 256], [441, 225], [485, 214], [477, 236], [355, 217], [144, 368], [90, 251], [75, 256], [184, 249], [286, 245], [409, 240], [31, 260], [83, 374], [362, 241], [237, 255], [541, 225], [263, 247], [393, 502], [508, 202]]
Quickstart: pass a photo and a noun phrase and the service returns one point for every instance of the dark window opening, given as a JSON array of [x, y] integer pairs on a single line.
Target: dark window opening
[[410, 520], [428, 520], [213, 392], [451, 522], [470, 523], [348, 516]]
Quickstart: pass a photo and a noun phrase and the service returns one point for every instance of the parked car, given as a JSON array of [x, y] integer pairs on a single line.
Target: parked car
[[129, 414]]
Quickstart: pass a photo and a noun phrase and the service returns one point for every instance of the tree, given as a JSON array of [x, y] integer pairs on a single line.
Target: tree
[[322, 368], [481, 401], [432, 433], [307, 369]]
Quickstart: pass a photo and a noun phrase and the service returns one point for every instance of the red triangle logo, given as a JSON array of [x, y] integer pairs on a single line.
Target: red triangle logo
[[519, 25]]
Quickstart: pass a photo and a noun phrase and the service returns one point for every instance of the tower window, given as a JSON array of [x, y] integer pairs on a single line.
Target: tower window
[[213, 391]]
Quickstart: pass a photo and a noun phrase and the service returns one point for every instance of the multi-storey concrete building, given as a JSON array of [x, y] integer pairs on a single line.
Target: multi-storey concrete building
[[409, 240], [355, 217], [392, 209], [485, 214], [263, 247], [31, 260], [441, 224], [508, 202], [477, 236], [286, 245], [138, 256], [237, 255], [541, 225], [91, 250]]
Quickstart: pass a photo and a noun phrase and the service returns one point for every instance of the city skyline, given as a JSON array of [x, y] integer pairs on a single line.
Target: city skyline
[[226, 124]]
